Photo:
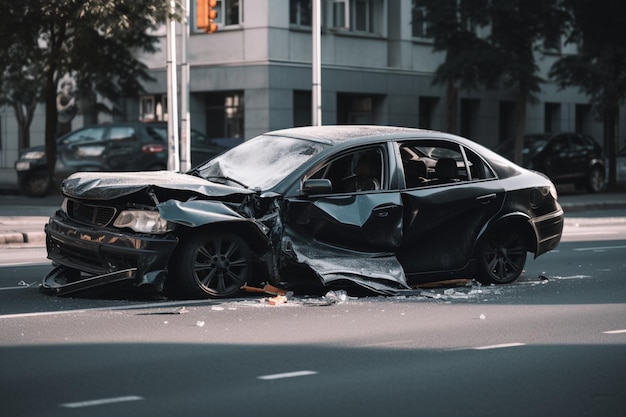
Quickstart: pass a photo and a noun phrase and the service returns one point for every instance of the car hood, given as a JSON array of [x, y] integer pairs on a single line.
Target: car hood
[[110, 185]]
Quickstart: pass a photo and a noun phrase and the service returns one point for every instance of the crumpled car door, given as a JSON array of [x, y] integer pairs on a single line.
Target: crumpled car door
[[360, 221]]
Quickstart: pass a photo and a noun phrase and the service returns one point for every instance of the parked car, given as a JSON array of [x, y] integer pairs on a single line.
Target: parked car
[[382, 207], [564, 157], [127, 146]]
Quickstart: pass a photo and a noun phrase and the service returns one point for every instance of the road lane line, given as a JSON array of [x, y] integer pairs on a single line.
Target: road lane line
[[599, 248], [102, 401], [286, 375], [615, 331], [500, 346]]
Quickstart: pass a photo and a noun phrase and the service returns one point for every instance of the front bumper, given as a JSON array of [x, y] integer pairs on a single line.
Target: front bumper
[[105, 254]]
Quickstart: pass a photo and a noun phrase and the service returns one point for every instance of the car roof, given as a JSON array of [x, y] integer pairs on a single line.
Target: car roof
[[334, 134]]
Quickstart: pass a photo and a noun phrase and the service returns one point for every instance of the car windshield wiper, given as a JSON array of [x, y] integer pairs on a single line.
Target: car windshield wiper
[[220, 177]]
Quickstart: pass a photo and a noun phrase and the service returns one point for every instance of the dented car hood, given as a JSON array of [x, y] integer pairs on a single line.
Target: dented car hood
[[111, 185]]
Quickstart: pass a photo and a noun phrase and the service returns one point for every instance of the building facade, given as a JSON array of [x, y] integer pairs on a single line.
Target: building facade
[[254, 74]]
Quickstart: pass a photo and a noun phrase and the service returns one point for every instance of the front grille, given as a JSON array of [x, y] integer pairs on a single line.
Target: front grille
[[90, 214]]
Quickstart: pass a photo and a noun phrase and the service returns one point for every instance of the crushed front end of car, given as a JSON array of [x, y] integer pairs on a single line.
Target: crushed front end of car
[[114, 227]]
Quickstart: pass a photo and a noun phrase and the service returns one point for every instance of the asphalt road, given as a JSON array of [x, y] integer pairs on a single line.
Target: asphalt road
[[553, 343]]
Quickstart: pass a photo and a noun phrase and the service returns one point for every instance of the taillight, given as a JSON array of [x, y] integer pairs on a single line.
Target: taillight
[[152, 148]]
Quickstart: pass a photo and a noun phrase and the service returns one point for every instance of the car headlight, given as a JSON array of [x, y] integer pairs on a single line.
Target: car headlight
[[553, 192], [142, 221], [33, 155]]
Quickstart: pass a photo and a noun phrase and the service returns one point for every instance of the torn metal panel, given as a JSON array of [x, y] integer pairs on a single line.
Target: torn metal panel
[[379, 271], [198, 212]]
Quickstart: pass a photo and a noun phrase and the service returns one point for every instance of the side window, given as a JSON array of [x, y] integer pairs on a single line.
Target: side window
[[577, 143], [558, 144], [157, 133], [354, 172], [122, 132], [89, 135], [432, 162], [479, 170]]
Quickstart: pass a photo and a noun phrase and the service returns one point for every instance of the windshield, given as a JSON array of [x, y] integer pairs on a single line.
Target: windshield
[[260, 163]]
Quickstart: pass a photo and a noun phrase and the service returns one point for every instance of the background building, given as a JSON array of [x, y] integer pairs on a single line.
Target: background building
[[254, 75]]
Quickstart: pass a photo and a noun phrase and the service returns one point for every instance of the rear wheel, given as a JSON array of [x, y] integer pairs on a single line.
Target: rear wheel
[[501, 256], [596, 180], [34, 184], [213, 265]]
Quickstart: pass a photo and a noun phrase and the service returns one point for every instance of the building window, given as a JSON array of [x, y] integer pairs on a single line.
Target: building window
[[358, 15], [229, 12], [300, 12], [419, 23], [552, 117], [357, 109], [225, 115], [302, 108], [426, 111]]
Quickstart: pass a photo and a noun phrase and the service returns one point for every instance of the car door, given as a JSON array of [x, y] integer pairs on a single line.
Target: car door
[[447, 207], [357, 210], [82, 150], [556, 157], [123, 149]]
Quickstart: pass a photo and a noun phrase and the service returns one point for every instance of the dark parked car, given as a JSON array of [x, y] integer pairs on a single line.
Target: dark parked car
[[381, 207], [564, 157], [128, 146]]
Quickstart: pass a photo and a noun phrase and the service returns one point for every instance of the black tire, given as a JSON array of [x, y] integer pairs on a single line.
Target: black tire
[[595, 183], [501, 256], [213, 265], [34, 184]]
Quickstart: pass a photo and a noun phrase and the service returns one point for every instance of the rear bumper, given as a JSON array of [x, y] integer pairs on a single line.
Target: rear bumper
[[104, 254], [549, 228]]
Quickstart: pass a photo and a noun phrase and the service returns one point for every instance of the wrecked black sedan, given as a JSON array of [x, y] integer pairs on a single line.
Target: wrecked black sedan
[[385, 208]]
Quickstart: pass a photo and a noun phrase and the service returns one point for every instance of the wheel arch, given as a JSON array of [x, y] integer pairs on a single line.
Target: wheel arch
[[518, 220]]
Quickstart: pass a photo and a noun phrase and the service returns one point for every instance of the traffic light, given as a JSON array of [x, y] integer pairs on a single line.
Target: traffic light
[[206, 13]]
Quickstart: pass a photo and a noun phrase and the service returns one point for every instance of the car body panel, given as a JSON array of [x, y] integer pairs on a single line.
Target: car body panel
[[380, 238]]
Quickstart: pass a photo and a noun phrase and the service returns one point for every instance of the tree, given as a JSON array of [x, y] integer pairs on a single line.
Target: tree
[[507, 55], [599, 67], [453, 25], [93, 41], [518, 31]]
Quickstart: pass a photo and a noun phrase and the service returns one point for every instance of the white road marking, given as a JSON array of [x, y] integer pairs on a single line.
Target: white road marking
[[286, 375], [599, 248], [615, 331], [103, 401], [501, 346]]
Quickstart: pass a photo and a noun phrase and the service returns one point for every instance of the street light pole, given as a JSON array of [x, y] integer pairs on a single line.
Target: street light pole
[[173, 161], [316, 64]]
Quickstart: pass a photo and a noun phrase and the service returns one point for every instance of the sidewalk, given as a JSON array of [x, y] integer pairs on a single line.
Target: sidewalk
[[22, 219]]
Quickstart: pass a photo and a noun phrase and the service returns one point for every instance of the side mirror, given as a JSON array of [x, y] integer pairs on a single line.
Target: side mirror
[[316, 186]]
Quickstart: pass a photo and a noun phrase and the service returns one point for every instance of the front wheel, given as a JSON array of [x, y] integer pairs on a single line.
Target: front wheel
[[212, 265], [34, 184], [501, 256]]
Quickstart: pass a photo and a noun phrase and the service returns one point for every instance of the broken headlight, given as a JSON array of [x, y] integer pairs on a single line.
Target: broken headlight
[[142, 221]]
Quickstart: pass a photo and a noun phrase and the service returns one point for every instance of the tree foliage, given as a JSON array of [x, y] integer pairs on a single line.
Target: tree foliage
[[599, 67], [94, 41], [506, 55]]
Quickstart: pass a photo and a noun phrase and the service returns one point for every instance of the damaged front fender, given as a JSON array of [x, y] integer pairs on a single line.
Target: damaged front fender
[[197, 213]]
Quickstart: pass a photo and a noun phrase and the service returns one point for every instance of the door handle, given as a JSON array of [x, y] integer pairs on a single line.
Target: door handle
[[383, 211], [486, 199]]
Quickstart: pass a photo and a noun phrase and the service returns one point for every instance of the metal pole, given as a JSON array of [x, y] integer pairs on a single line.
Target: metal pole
[[316, 63], [173, 162], [185, 122]]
